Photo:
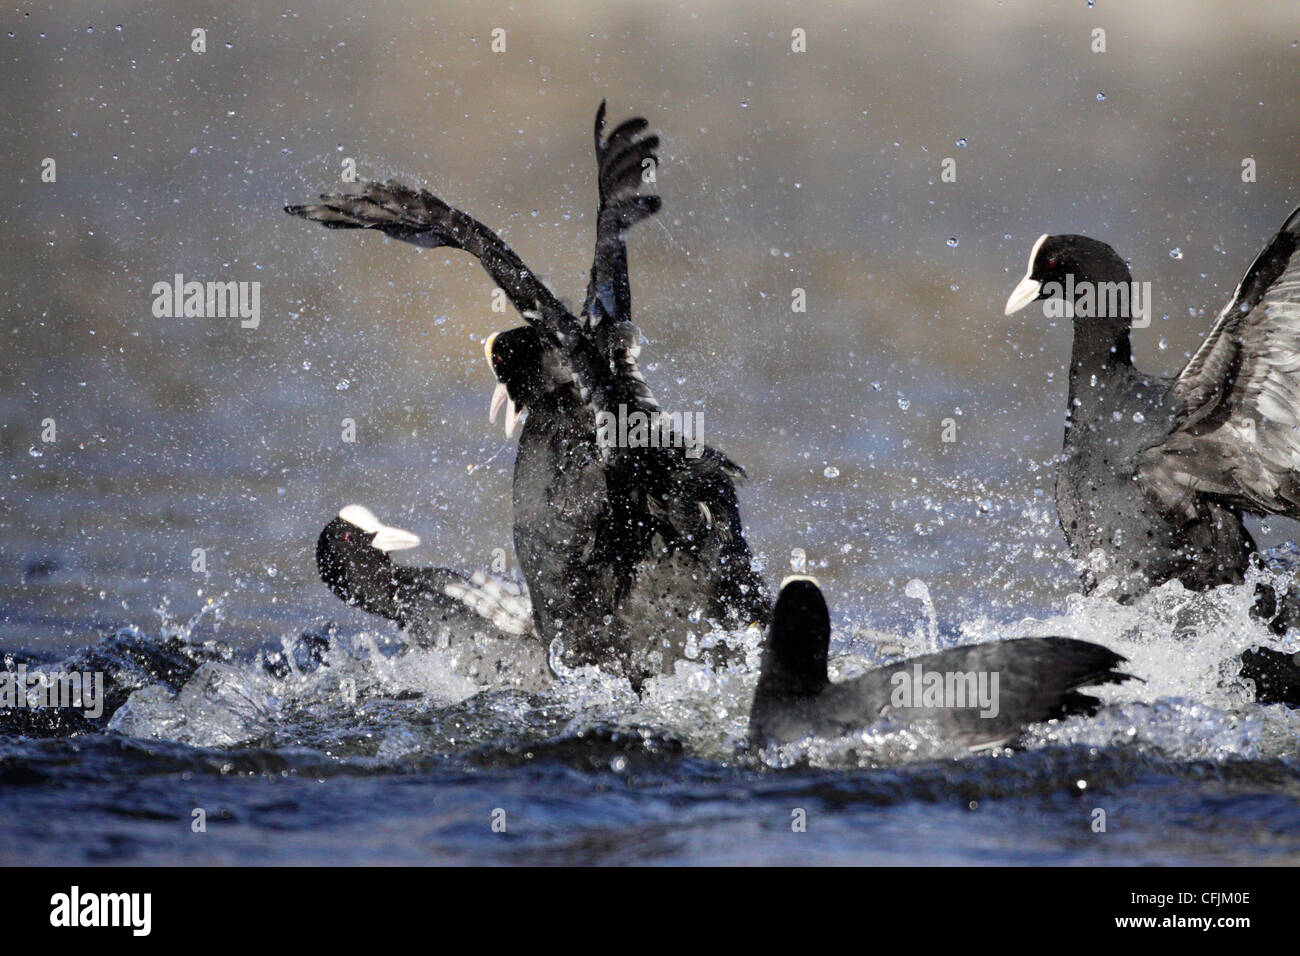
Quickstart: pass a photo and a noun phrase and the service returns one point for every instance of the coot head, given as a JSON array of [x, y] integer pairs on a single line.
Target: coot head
[[798, 642], [516, 358], [352, 551], [1053, 258]]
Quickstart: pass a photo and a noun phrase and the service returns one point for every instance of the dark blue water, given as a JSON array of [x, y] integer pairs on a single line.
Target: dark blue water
[[382, 754], [817, 171], [115, 801]]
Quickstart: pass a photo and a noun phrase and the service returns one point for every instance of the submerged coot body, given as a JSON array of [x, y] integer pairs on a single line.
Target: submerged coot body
[[486, 623], [1007, 685]]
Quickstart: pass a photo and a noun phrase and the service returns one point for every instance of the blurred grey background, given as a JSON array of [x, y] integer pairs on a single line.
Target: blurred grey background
[[818, 170]]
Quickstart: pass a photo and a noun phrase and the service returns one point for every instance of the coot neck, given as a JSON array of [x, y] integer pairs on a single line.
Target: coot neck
[[1101, 358]]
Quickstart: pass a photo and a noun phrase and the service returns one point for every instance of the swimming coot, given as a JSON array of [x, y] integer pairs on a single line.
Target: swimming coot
[[486, 624], [1158, 471], [352, 555], [980, 695]]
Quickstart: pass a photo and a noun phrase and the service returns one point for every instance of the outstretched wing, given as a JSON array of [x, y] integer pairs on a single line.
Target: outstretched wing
[[680, 494], [422, 219], [1236, 431], [621, 160]]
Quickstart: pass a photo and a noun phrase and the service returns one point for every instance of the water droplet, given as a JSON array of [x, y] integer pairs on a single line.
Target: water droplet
[[952, 243], [1175, 253], [1139, 417], [1101, 97], [961, 143], [344, 385], [831, 472], [798, 560], [1163, 343], [904, 404], [916, 590]]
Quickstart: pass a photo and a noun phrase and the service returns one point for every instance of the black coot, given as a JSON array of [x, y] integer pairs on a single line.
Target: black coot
[[352, 555], [119, 664], [624, 550], [486, 622], [992, 692], [1158, 471]]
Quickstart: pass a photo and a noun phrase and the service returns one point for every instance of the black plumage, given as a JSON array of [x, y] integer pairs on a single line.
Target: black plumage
[[486, 622], [353, 559], [625, 550], [1028, 681], [1158, 471], [1275, 675]]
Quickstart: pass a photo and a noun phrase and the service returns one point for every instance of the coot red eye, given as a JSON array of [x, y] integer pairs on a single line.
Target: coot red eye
[[347, 537]]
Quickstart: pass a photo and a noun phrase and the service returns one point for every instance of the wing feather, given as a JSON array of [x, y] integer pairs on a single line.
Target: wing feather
[[1236, 428]]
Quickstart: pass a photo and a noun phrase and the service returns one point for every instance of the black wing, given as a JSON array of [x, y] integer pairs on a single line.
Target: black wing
[[424, 220], [621, 162], [1236, 433]]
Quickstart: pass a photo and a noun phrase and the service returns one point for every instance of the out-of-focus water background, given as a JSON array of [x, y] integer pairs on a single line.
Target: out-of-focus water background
[[780, 170]]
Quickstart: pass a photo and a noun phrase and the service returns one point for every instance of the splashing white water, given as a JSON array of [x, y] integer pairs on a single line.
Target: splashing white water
[[1190, 701]]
